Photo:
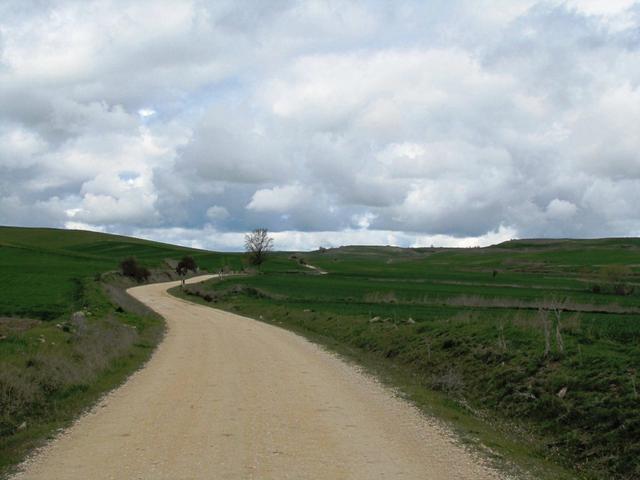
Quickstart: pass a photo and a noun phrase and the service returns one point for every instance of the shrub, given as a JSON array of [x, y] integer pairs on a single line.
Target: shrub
[[132, 269], [450, 381], [617, 277], [17, 394]]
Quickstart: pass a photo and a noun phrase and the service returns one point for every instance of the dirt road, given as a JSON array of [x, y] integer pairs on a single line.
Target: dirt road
[[227, 397]]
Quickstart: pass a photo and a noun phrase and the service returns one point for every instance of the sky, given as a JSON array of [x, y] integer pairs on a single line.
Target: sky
[[329, 122]]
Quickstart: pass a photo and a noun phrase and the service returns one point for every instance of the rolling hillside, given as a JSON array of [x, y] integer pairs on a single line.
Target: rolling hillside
[[42, 268]]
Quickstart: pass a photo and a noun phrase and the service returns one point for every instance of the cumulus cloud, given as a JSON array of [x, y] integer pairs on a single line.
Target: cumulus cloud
[[217, 213], [329, 122], [280, 199], [209, 237], [561, 209]]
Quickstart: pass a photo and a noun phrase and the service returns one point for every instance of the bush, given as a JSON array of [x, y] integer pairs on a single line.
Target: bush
[[617, 276], [132, 269], [17, 394]]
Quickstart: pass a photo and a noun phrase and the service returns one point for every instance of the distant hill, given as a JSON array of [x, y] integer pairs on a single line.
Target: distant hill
[[41, 267], [622, 242]]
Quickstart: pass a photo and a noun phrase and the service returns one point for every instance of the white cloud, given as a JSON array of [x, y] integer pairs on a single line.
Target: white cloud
[[561, 209], [327, 121], [280, 199], [363, 220], [210, 238], [146, 112], [84, 226], [599, 7], [19, 147], [109, 210], [216, 212]]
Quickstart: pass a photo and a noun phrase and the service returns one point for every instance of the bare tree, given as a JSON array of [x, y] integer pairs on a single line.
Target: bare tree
[[258, 244]]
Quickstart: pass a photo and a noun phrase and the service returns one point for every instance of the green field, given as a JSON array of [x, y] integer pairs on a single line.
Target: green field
[[528, 337]]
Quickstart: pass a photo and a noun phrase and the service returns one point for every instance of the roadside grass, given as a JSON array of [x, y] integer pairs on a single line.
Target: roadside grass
[[558, 397]]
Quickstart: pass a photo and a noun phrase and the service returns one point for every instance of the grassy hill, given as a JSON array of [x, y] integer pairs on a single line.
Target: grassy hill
[[531, 345], [42, 268]]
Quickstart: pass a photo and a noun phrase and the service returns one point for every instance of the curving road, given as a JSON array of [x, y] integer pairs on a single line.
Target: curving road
[[227, 397]]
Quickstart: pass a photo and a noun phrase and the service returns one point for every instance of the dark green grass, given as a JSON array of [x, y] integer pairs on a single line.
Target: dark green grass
[[41, 268], [481, 362], [395, 291], [561, 261], [41, 284]]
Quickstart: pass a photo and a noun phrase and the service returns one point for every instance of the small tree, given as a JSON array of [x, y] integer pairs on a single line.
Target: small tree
[[128, 267], [184, 266], [258, 244]]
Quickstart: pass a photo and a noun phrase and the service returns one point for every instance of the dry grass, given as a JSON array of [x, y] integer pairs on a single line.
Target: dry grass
[[11, 325], [470, 301], [28, 389], [16, 395], [451, 381], [381, 297], [119, 296], [96, 346]]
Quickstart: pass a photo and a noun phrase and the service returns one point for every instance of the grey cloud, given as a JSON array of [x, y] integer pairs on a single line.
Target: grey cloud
[[446, 119]]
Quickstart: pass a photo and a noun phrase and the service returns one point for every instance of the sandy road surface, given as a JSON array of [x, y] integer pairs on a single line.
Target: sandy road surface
[[227, 397]]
